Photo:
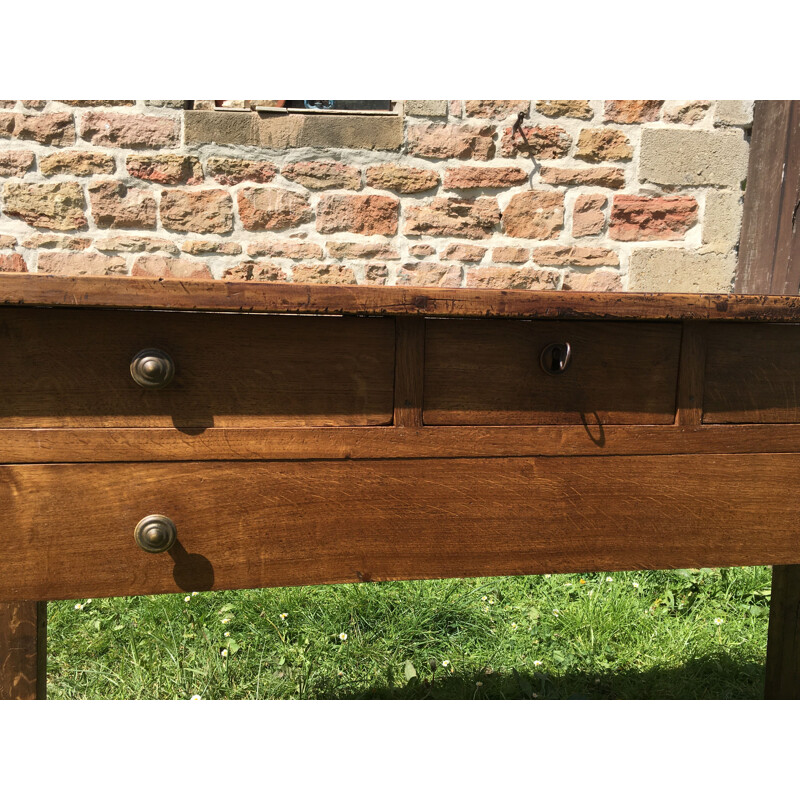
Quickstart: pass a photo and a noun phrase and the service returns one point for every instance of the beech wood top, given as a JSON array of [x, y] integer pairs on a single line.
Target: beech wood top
[[293, 298]]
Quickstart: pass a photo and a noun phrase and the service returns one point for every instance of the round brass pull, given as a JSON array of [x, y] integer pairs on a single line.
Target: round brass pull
[[155, 534], [152, 369], [555, 358]]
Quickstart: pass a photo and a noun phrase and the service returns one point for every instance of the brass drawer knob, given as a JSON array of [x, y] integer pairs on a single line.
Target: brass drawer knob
[[155, 534], [555, 358], [152, 369]]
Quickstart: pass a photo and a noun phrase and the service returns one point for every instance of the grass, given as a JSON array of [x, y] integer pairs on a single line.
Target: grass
[[678, 634]]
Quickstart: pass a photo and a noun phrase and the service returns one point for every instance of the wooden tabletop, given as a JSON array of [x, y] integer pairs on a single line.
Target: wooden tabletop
[[293, 298]]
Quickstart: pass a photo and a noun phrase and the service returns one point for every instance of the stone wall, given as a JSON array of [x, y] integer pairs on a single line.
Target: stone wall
[[585, 195]]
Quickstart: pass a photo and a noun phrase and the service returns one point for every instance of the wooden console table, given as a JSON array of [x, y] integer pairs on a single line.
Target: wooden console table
[[154, 441]]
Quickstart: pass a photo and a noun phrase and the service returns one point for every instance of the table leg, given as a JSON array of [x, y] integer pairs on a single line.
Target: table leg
[[23, 651], [783, 641]]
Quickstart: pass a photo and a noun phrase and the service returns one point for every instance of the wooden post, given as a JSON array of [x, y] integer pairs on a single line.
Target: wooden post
[[769, 263], [23, 651]]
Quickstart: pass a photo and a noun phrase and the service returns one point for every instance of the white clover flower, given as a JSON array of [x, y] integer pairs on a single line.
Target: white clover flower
[[547, 575], [343, 637], [226, 620], [491, 602], [609, 580], [555, 612], [636, 584], [484, 598], [226, 634], [195, 697], [718, 620], [513, 626], [537, 663], [445, 663], [284, 615], [79, 606], [194, 594], [186, 599], [224, 653]]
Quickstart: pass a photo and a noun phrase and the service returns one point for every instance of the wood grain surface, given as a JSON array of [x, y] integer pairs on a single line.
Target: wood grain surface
[[217, 295], [71, 368], [487, 372], [23, 650], [752, 374], [68, 529]]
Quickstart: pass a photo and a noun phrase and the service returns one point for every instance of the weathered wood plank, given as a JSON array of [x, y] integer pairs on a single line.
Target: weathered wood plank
[[68, 529], [23, 650], [409, 371]]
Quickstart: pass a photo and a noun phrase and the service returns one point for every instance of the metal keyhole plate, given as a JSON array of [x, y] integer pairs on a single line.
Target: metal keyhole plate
[[555, 358]]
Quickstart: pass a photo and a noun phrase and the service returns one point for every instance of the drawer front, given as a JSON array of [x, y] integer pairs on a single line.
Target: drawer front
[[71, 368], [752, 373], [488, 372], [69, 529]]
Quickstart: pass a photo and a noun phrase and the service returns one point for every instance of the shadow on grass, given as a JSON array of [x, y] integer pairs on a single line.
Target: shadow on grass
[[715, 677]]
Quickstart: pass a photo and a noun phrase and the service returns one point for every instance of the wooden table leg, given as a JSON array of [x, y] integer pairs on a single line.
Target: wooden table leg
[[23, 651], [783, 640]]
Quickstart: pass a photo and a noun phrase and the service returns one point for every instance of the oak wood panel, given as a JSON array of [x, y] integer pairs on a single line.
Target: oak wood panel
[[752, 374], [22, 446], [69, 528], [253, 296], [783, 640], [71, 368], [23, 650], [691, 378], [484, 372], [409, 371]]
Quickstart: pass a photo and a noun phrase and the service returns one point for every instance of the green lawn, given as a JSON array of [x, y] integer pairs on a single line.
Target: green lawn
[[679, 634]]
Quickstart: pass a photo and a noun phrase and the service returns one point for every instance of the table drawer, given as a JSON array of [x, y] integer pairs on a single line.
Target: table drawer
[[489, 372], [752, 373], [68, 530], [71, 368]]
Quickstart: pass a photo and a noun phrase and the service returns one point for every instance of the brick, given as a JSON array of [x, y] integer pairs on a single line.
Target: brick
[[610, 177], [463, 252], [77, 162], [734, 112], [59, 206], [603, 144], [404, 180], [424, 274], [214, 127], [575, 256], [285, 249], [323, 175], [366, 250], [495, 109], [229, 171], [577, 109], [13, 263], [425, 108], [674, 270], [722, 220], [633, 111], [550, 141], [445, 216], [512, 278], [685, 112], [200, 247], [484, 177], [673, 157], [166, 267], [421, 250], [129, 130], [55, 241], [114, 205], [510, 255], [588, 217], [376, 274], [15, 163], [81, 264], [256, 271], [439, 140], [57, 130], [168, 169], [8, 241], [600, 280], [534, 215], [352, 132], [635, 218], [268, 209], [136, 244], [204, 211], [323, 273], [365, 214]]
